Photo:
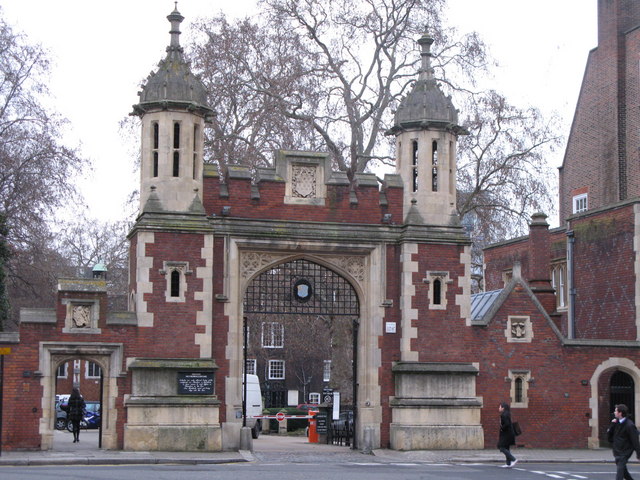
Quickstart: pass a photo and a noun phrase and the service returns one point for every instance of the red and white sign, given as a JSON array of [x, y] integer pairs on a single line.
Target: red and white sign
[[280, 416]]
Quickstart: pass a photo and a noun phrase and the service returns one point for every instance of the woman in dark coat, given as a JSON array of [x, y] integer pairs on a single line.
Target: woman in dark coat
[[75, 412], [507, 437]]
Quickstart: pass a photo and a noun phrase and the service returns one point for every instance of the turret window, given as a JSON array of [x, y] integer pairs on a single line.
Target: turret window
[[414, 165], [176, 147], [176, 164], [196, 134], [176, 135], [156, 145], [434, 166], [452, 173]]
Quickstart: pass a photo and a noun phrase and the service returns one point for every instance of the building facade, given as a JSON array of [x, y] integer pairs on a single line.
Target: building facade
[[377, 274]]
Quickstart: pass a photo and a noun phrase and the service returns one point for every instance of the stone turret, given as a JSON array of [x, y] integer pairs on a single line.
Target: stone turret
[[426, 129], [173, 109]]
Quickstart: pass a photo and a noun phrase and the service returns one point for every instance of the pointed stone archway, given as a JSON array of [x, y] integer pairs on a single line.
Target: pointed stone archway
[[362, 266], [604, 371], [107, 355]]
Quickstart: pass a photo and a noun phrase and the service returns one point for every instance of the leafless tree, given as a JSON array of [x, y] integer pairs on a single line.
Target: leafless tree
[[86, 242], [328, 75], [503, 175], [36, 170], [312, 75]]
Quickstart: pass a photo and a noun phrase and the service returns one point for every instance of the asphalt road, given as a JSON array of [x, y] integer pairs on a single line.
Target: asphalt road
[[316, 471]]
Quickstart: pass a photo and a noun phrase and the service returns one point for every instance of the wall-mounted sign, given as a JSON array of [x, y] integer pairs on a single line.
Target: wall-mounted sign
[[195, 383]]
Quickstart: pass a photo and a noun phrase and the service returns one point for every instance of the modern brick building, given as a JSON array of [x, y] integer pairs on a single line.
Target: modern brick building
[[384, 268]]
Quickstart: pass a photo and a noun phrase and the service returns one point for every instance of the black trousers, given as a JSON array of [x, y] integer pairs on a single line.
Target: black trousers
[[622, 473], [507, 455]]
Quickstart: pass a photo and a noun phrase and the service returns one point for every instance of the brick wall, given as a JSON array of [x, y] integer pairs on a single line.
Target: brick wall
[[604, 276], [602, 150]]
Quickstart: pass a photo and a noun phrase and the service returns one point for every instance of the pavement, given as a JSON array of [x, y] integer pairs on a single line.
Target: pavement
[[280, 448]]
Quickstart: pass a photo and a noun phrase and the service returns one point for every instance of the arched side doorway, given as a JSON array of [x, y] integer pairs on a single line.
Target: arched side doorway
[[622, 390], [303, 318], [614, 381], [107, 356]]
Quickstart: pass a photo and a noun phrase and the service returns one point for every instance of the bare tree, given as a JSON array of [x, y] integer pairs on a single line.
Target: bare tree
[[328, 75], [36, 169], [86, 242], [503, 175], [312, 75], [4, 257]]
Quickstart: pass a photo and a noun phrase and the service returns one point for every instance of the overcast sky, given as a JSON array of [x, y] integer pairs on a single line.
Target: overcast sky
[[101, 50]]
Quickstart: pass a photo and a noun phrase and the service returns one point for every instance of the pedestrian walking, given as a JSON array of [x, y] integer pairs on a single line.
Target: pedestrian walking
[[507, 436], [623, 436], [75, 412]]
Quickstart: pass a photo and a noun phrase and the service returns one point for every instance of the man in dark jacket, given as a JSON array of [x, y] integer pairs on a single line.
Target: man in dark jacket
[[623, 436]]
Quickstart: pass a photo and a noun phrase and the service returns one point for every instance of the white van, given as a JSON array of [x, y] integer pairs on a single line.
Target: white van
[[254, 405]]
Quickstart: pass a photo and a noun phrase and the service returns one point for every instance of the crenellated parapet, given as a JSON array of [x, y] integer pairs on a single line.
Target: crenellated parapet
[[302, 186]]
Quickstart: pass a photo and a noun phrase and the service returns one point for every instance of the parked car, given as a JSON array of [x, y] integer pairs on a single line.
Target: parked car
[[61, 415]]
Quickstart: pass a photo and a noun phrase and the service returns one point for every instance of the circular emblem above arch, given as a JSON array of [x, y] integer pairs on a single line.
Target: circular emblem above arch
[[301, 287]]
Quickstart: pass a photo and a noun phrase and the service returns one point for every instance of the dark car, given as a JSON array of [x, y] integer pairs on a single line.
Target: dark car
[[308, 407], [61, 415]]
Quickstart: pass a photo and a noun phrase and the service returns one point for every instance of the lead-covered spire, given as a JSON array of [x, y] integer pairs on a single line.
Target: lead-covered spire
[[173, 85], [426, 106]]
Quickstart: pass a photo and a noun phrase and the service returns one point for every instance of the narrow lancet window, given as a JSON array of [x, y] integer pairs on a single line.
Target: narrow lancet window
[[156, 145], [175, 283], [414, 166], [176, 164], [437, 292], [196, 133], [519, 391], [176, 147], [434, 166], [176, 135]]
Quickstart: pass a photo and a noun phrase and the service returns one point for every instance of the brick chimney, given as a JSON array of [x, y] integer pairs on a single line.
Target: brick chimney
[[539, 262]]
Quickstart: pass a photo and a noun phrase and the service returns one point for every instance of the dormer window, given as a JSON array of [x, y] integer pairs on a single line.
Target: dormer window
[[580, 203]]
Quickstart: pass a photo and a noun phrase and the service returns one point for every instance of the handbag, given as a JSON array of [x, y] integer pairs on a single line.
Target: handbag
[[517, 430]]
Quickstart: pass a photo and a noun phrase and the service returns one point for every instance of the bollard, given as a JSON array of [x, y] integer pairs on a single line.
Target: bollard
[[313, 432]]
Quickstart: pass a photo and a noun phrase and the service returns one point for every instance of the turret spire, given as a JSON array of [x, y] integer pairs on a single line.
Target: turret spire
[[426, 70], [176, 19]]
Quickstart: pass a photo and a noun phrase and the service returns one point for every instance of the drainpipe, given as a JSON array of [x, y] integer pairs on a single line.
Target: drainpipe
[[571, 289]]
